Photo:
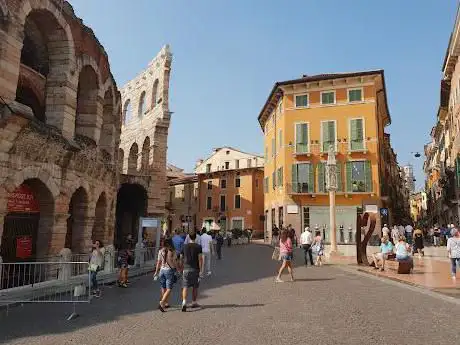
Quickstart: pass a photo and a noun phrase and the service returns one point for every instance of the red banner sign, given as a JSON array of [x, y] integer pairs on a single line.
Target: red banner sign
[[23, 200], [24, 247]]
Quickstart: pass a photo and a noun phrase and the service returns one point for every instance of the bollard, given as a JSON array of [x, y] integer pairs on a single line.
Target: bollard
[[65, 270]]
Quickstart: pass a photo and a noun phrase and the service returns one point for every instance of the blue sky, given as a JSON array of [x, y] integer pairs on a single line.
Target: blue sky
[[229, 53]]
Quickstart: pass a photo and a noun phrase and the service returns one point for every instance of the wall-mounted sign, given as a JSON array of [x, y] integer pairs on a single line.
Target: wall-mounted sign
[[150, 222], [371, 209], [24, 247], [23, 200], [292, 209]]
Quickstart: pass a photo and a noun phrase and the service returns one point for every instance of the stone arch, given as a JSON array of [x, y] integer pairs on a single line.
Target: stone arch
[[121, 159], [145, 154], [77, 222], [127, 112], [100, 218], [46, 62], [35, 219], [107, 141], [155, 93], [132, 159], [142, 105], [30, 173], [88, 117]]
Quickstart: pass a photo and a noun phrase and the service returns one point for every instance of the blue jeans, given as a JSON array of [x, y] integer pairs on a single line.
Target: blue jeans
[[93, 276], [167, 278], [454, 262]]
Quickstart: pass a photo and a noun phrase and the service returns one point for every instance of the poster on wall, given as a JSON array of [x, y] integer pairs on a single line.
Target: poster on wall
[[24, 247], [22, 200]]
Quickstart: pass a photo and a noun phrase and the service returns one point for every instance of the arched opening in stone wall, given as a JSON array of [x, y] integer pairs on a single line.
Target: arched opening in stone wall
[[142, 105], [127, 112], [27, 232], [30, 219], [155, 93], [86, 118], [145, 154], [107, 141], [132, 159], [76, 223], [121, 159], [44, 54], [99, 231], [131, 204]]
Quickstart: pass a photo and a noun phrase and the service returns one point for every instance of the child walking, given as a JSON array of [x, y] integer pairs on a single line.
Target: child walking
[[318, 248]]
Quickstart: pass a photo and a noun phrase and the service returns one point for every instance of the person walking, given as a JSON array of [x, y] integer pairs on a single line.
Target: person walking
[[165, 271], [385, 231], [219, 245], [96, 263], [306, 239], [193, 270], [178, 242], [286, 256], [318, 247], [408, 230], [453, 251], [436, 236], [125, 259], [197, 240], [395, 235], [418, 242], [275, 235], [206, 246]]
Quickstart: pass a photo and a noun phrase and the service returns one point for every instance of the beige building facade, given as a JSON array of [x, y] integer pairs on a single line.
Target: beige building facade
[[59, 132], [143, 145], [182, 203]]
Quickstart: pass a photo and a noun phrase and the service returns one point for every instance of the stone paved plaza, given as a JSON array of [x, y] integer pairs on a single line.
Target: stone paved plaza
[[242, 305]]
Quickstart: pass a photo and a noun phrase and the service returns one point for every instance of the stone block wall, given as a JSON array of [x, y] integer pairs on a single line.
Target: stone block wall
[[145, 124]]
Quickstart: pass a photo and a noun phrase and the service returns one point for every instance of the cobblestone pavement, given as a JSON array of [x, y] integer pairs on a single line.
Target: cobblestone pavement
[[243, 305]]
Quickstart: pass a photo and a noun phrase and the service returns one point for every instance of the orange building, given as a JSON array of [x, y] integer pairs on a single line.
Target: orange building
[[301, 119], [230, 190]]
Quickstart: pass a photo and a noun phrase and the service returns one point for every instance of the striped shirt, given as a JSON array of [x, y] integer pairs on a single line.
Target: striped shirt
[[453, 247]]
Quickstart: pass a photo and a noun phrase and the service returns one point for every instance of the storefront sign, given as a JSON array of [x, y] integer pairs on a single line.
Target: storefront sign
[[292, 209], [23, 200], [24, 247], [149, 222]]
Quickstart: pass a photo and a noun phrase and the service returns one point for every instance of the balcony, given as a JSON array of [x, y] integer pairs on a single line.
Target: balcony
[[300, 188]]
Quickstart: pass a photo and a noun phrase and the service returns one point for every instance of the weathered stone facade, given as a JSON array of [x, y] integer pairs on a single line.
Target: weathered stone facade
[[144, 132], [59, 129]]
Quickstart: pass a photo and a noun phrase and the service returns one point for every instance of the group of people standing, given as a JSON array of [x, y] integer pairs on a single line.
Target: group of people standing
[[288, 241], [186, 257]]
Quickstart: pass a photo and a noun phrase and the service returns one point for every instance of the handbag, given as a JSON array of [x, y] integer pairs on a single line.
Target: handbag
[[276, 254], [93, 268]]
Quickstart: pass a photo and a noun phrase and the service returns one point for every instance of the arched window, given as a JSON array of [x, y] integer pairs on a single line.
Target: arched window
[[127, 114], [155, 93], [87, 103], [142, 105]]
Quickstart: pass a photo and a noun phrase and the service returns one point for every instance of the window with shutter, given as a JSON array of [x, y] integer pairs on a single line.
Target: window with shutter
[[237, 201], [301, 101], [311, 178], [273, 180], [294, 181], [368, 175], [457, 166], [301, 138], [321, 171], [349, 168], [359, 176], [328, 134], [357, 134], [303, 178], [328, 97], [280, 176], [339, 177], [355, 95], [280, 138]]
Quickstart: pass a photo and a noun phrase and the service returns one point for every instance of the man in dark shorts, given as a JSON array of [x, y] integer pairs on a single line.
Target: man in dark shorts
[[193, 265]]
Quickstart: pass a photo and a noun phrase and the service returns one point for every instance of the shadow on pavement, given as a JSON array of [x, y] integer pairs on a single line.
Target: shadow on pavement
[[313, 280], [240, 264]]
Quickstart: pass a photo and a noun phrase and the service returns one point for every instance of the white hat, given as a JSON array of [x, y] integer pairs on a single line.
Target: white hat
[[307, 228]]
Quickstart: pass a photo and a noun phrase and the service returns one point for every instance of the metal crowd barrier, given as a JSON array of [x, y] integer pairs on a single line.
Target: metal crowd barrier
[[45, 282]]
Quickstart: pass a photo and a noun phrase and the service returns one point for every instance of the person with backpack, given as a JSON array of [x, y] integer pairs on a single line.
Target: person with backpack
[[166, 272]]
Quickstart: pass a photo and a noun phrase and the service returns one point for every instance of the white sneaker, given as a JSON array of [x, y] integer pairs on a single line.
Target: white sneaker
[[209, 273], [278, 280]]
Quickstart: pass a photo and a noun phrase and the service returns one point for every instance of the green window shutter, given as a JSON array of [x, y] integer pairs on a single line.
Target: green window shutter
[[349, 166], [295, 186], [274, 180], [305, 137], [321, 171], [339, 177], [325, 136], [301, 137], [311, 178], [368, 176], [357, 134], [457, 166], [331, 130], [280, 182]]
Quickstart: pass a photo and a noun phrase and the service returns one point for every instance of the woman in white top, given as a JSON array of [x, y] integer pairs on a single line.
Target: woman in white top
[[96, 263], [453, 250], [166, 272]]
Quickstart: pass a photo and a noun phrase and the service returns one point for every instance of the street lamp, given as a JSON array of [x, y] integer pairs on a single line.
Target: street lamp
[[331, 186]]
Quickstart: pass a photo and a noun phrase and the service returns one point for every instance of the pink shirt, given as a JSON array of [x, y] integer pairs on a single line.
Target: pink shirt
[[286, 247]]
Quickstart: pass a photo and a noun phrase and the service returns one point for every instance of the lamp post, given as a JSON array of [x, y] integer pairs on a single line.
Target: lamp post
[[331, 186]]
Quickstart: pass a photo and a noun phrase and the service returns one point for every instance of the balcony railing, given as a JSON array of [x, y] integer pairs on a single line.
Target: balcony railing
[[298, 188]]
